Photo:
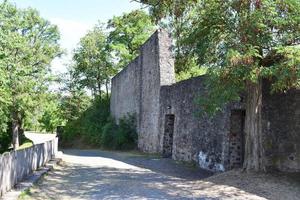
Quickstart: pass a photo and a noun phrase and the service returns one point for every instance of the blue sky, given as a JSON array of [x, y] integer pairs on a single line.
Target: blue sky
[[75, 17]]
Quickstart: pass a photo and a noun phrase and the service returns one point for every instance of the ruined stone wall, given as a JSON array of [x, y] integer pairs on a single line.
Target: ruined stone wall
[[125, 91], [158, 70], [202, 139], [216, 143], [281, 130], [167, 120], [136, 89]]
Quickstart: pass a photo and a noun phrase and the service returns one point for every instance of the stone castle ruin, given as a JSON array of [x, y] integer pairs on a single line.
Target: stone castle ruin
[[167, 123]]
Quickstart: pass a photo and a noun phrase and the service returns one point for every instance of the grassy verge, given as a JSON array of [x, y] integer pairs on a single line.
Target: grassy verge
[[26, 144]]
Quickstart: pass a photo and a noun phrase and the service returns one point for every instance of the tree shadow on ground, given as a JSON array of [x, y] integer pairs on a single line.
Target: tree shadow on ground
[[108, 183], [152, 162], [97, 174], [275, 185]]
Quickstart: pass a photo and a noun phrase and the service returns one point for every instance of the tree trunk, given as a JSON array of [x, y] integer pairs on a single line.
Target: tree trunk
[[253, 128], [106, 85], [15, 130], [99, 90]]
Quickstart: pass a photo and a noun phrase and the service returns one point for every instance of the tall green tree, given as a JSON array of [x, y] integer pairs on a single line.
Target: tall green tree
[[4, 111], [103, 52], [28, 44], [51, 115], [74, 100], [177, 17], [127, 33], [179, 24], [160, 9], [243, 42], [93, 66]]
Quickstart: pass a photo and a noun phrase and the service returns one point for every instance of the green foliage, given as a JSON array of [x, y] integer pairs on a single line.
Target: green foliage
[[93, 66], [193, 71], [122, 136], [93, 119], [74, 104], [99, 56], [240, 42], [95, 128], [25, 144], [286, 72], [109, 132], [46, 116], [4, 108], [51, 115], [128, 33], [163, 8], [102, 53], [5, 141], [177, 19], [127, 136], [28, 44], [88, 123]]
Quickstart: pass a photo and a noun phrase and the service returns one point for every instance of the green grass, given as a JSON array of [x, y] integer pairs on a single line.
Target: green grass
[[26, 144], [25, 195]]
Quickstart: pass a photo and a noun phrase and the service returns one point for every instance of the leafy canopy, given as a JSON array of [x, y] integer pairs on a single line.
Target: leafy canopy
[[127, 33], [28, 44], [177, 20], [241, 41], [105, 50], [99, 56], [93, 66]]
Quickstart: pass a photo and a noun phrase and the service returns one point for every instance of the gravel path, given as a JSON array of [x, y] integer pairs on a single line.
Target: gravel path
[[92, 174]]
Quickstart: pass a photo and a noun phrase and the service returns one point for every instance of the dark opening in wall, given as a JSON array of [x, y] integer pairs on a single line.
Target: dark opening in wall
[[168, 136], [236, 139]]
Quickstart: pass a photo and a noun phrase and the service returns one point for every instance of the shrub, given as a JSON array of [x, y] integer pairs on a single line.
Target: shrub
[[126, 137], [5, 141], [94, 128], [122, 136], [108, 134], [87, 125]]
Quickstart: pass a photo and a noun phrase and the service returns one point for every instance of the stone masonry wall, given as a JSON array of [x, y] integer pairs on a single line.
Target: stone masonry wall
[[125, 91], [281, 130], [136, 89], [157, 70], [201, 139], [167, 121]]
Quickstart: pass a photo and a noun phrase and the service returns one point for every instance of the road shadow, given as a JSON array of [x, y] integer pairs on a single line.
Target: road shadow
[[154, 163], [182, 180], [77, 182]]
